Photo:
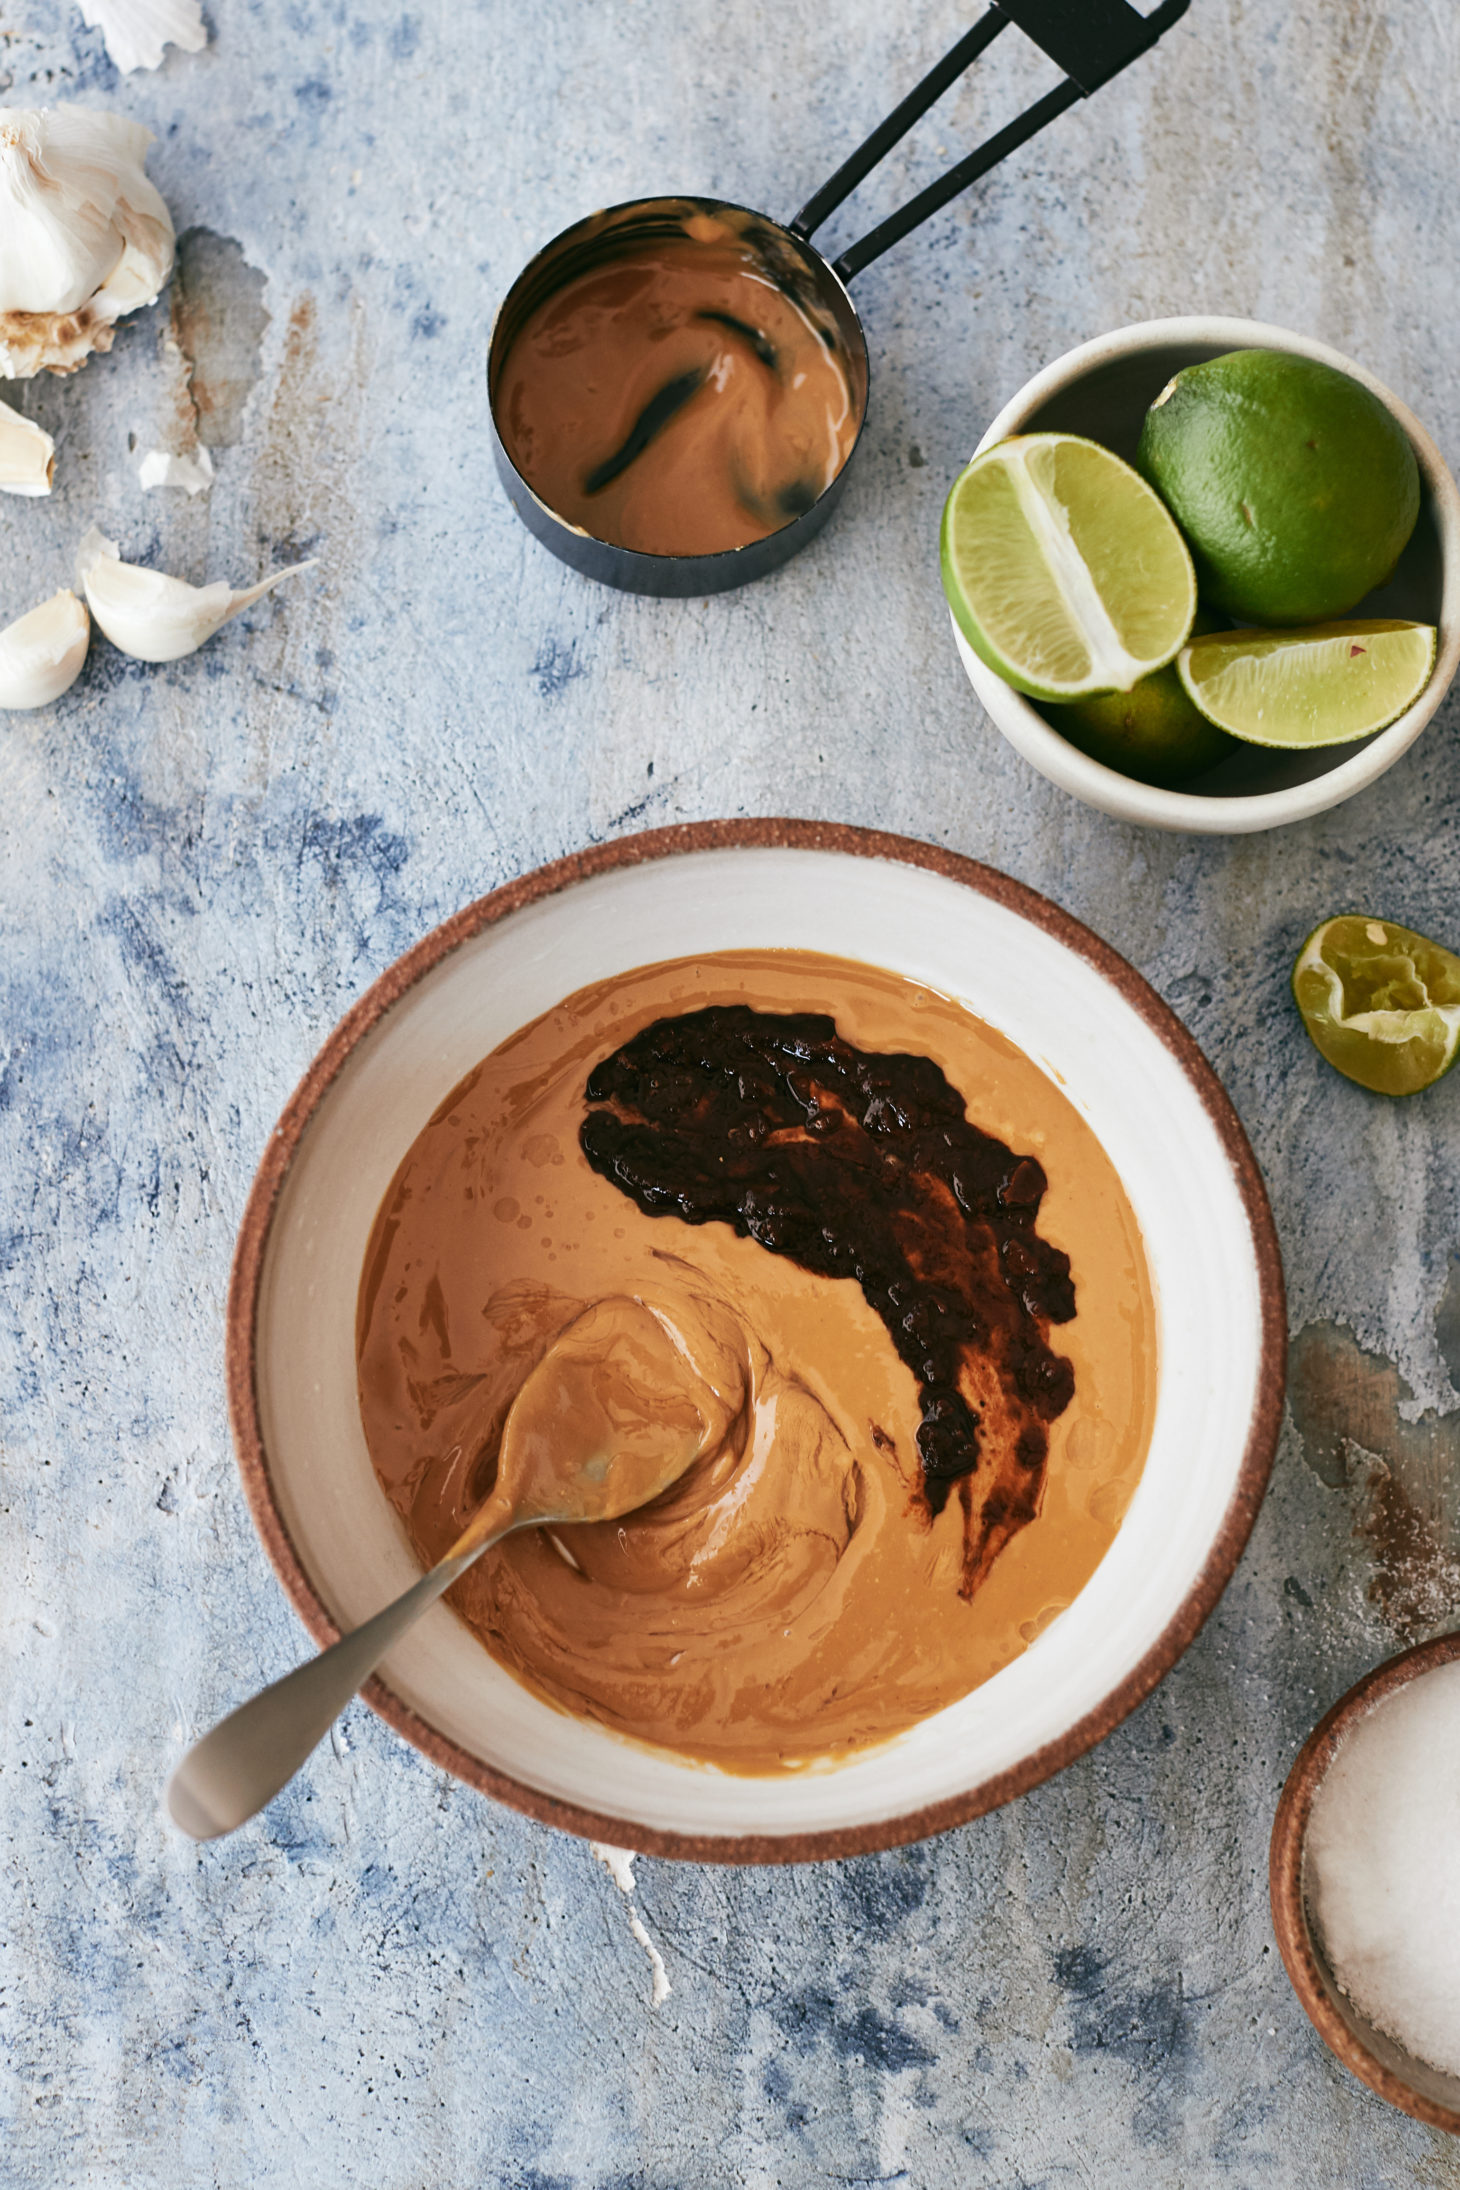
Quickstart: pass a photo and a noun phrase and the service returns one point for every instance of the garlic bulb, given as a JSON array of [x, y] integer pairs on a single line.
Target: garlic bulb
[[27, 455], [41, 654], [137, 30], [151, 616], [84, 236]]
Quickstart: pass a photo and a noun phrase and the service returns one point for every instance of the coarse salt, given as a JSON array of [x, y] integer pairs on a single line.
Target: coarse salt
[[1382, 1866]]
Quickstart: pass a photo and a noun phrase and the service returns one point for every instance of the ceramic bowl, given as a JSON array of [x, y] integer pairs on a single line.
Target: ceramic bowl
[[1103, 390], [1069, 1002], [1410, 2084]]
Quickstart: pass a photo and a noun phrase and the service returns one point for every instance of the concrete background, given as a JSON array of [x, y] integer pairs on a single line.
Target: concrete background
[[390, 1981]]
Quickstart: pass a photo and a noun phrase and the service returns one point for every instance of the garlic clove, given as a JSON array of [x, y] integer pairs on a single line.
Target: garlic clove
[[41, 654], [84, 236], [151, 616], [194, 474], [27, 455], [137, 30]]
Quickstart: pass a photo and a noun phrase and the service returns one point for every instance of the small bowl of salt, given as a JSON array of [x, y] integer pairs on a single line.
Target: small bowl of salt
[[1365, 1879]]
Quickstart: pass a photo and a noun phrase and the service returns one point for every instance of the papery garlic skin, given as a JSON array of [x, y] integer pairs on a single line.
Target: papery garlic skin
[[151, 616], [194, 474], [27, 455], [137, 30], [41, 654], [84, 236]]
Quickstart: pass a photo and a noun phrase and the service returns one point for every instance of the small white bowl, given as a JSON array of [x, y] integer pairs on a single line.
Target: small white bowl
[[1063, 997], [1103, 390]]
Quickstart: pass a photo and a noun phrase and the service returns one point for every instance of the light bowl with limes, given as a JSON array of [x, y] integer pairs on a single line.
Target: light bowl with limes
[[1102, 392]]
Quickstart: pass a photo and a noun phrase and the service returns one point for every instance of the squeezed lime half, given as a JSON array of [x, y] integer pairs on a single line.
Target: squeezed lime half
[[1381, 1003], [1064, 570]]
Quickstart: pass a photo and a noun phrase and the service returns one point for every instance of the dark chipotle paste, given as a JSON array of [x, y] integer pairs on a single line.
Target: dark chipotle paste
[[863, 1165]]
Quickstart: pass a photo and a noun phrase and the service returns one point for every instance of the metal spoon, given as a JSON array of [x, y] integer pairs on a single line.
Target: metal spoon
[[610, 1418]]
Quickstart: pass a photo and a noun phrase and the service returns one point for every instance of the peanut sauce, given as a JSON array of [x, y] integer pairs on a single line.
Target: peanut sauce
[[678, 399], [825, 1574]]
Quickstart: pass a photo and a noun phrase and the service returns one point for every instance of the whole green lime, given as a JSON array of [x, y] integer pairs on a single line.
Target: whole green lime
[[1153, 733], [1296, 488]]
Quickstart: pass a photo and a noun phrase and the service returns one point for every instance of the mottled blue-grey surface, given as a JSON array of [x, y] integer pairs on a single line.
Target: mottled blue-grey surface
[[390, 1982]]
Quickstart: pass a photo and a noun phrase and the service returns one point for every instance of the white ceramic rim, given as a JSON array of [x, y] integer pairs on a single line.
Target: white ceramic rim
[[1069, 1002], [1105, 788]]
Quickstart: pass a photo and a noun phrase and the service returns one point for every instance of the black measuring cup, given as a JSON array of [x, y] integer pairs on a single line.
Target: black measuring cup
[[1090, 40]]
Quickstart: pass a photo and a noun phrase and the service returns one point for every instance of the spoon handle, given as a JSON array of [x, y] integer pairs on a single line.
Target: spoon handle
[[233, 1771]]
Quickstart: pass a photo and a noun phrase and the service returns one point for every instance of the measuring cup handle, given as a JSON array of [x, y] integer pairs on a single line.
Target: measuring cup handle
[[1091, 40]]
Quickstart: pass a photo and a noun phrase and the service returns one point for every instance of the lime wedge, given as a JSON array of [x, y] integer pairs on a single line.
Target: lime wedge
[[1323, 686], [1381, 1003], [1065, 572]]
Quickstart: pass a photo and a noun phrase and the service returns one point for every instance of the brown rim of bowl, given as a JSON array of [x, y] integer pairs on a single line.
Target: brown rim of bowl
[[707, 836], [1311, 1979]]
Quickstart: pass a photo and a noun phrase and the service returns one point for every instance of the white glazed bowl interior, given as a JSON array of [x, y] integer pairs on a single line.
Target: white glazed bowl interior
[[1062, 1011], [1103, 390]]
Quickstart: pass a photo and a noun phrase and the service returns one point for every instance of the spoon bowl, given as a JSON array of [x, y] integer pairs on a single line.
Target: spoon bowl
[[617, 1410]]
